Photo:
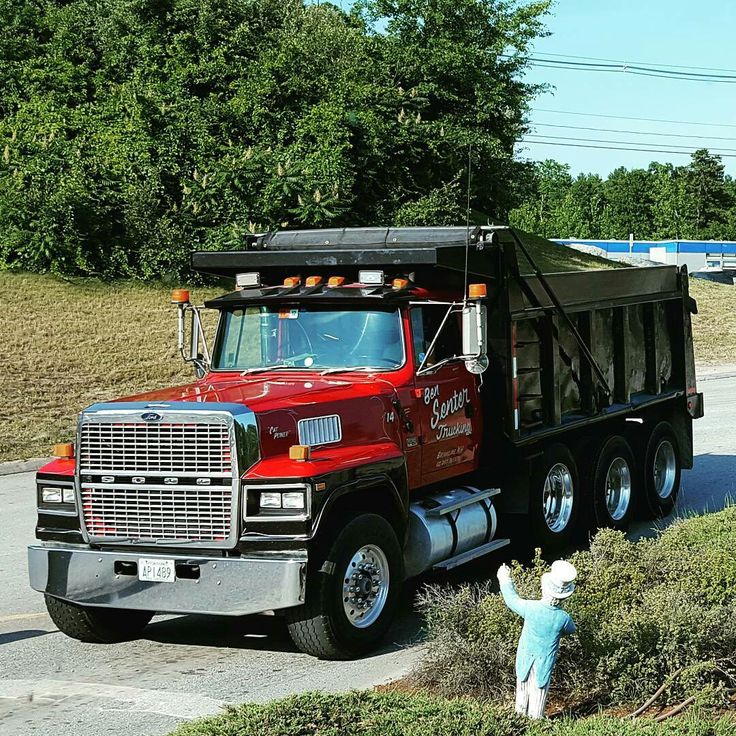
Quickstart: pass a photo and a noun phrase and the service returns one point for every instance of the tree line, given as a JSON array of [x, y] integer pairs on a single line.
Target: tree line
[[134, 131], [662, 202]]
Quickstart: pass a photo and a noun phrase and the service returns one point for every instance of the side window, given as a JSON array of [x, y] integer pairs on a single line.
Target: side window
[[425, 321]]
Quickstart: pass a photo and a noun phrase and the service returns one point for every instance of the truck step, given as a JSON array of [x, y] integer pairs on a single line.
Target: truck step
[[526, 343], [455, 505], [527, 371], [471, 554], [530, 397]]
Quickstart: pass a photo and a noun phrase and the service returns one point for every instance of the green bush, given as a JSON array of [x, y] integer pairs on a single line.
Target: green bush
[[395, 714], [648, 612]]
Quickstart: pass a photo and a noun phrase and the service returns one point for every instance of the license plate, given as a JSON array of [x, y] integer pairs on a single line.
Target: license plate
[[156, 571]]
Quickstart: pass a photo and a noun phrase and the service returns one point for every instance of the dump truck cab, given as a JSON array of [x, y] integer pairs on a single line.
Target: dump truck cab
[[369, 400]]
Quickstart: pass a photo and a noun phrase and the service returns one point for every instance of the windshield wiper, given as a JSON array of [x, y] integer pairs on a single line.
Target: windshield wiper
[[264, 368], [348, 369]]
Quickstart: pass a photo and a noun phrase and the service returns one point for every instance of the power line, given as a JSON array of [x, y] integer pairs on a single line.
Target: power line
[[635, 132], [628, 117], [633, 70], [619, 148], [641, 63], [627, 143]]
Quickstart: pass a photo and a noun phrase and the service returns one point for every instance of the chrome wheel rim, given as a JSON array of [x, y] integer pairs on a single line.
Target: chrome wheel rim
[[665, 469], [557, 497], [618, 488], [365, 586]]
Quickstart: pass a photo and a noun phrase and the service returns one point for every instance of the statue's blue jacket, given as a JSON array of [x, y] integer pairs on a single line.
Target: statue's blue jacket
[[544, 625]]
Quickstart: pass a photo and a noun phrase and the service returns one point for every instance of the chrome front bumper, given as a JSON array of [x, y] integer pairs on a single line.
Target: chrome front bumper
[[231, 586]]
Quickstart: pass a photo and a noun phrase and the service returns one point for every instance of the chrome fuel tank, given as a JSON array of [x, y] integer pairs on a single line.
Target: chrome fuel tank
[[447, 524]]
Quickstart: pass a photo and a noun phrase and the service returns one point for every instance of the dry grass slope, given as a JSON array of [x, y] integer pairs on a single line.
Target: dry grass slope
[[68, 344]]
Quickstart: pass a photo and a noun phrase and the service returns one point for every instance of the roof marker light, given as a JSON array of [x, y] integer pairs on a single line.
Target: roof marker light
[[477, 291], [400, 284], [371, 278], [247, 280], [292, 281], [314, 280], [335, 281], [180, 296]]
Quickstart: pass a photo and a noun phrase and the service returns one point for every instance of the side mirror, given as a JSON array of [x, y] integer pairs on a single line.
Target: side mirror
[[199, 359], [475, 337]]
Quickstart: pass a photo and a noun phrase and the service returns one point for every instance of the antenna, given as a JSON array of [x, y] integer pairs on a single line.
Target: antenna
[[467, 224]]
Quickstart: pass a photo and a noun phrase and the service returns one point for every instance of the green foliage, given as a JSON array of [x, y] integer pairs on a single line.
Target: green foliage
[[396, 714], [647, 612], [134, 131], [697, 201]]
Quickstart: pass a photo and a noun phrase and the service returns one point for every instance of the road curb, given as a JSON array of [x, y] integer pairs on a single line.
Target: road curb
[[23, 466], [715, 373]]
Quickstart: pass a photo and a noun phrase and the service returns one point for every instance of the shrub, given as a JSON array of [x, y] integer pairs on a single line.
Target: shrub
[[647, 612], [398, 714]]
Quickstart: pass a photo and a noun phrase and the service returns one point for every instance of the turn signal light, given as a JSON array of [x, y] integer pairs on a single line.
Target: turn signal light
[[400, 283], [335, 281], [299, 452], [477, 291], [63, 449], [180, 296], [314, 280], [292, 281]]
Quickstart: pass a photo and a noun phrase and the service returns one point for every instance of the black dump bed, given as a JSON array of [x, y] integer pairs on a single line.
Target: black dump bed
[[574, 338]]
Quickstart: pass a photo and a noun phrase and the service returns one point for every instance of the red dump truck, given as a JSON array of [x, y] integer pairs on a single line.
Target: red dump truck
[[372, 400]]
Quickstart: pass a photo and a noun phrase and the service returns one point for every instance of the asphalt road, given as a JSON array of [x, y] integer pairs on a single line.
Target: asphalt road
[[190, 666]]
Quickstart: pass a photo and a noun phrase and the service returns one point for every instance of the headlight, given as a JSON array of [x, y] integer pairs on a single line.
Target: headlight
[[293, 500], [68, 495], [51, 495], [273, 502], [270, 500]]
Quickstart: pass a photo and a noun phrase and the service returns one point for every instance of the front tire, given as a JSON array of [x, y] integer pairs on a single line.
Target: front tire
[[96, 625], [352, 591], [614, 484]]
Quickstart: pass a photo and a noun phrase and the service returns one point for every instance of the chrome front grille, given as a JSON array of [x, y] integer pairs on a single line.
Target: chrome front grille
[[320, 430], [159, 448], [155, 512], [172, 480]]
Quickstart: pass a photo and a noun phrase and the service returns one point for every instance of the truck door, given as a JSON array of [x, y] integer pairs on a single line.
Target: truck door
[[448, 405]]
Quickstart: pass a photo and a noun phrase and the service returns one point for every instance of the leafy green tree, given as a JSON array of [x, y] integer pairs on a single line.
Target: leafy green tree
[[133, 131], [709, 195]]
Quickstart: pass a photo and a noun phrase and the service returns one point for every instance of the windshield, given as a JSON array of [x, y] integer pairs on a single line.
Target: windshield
[[309, 337]]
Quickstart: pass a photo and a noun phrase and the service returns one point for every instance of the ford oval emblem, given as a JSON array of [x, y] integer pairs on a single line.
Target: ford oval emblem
[[151, 416]]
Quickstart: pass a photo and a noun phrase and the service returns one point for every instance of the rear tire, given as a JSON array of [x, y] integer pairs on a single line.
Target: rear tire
[[353, 587], [554, 498], [662, 471], [96, 625], [615, 484]]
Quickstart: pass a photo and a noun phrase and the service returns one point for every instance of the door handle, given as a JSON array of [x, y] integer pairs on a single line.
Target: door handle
[[408, 424]]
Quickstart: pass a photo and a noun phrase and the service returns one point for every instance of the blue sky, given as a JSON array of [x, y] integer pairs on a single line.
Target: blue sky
[[672, 32]]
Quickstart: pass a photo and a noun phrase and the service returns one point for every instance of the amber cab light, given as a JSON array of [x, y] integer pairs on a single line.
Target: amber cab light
[[180, 296], [400, 283], [292, 281], [299, 452], [477, 291], [63, 449], [314, 280], [335, 281]]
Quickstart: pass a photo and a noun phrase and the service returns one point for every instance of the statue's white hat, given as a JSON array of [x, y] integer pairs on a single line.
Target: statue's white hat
[[559, 582]]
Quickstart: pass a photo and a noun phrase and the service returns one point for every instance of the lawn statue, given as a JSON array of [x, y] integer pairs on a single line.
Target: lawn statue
[[544, 623]]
